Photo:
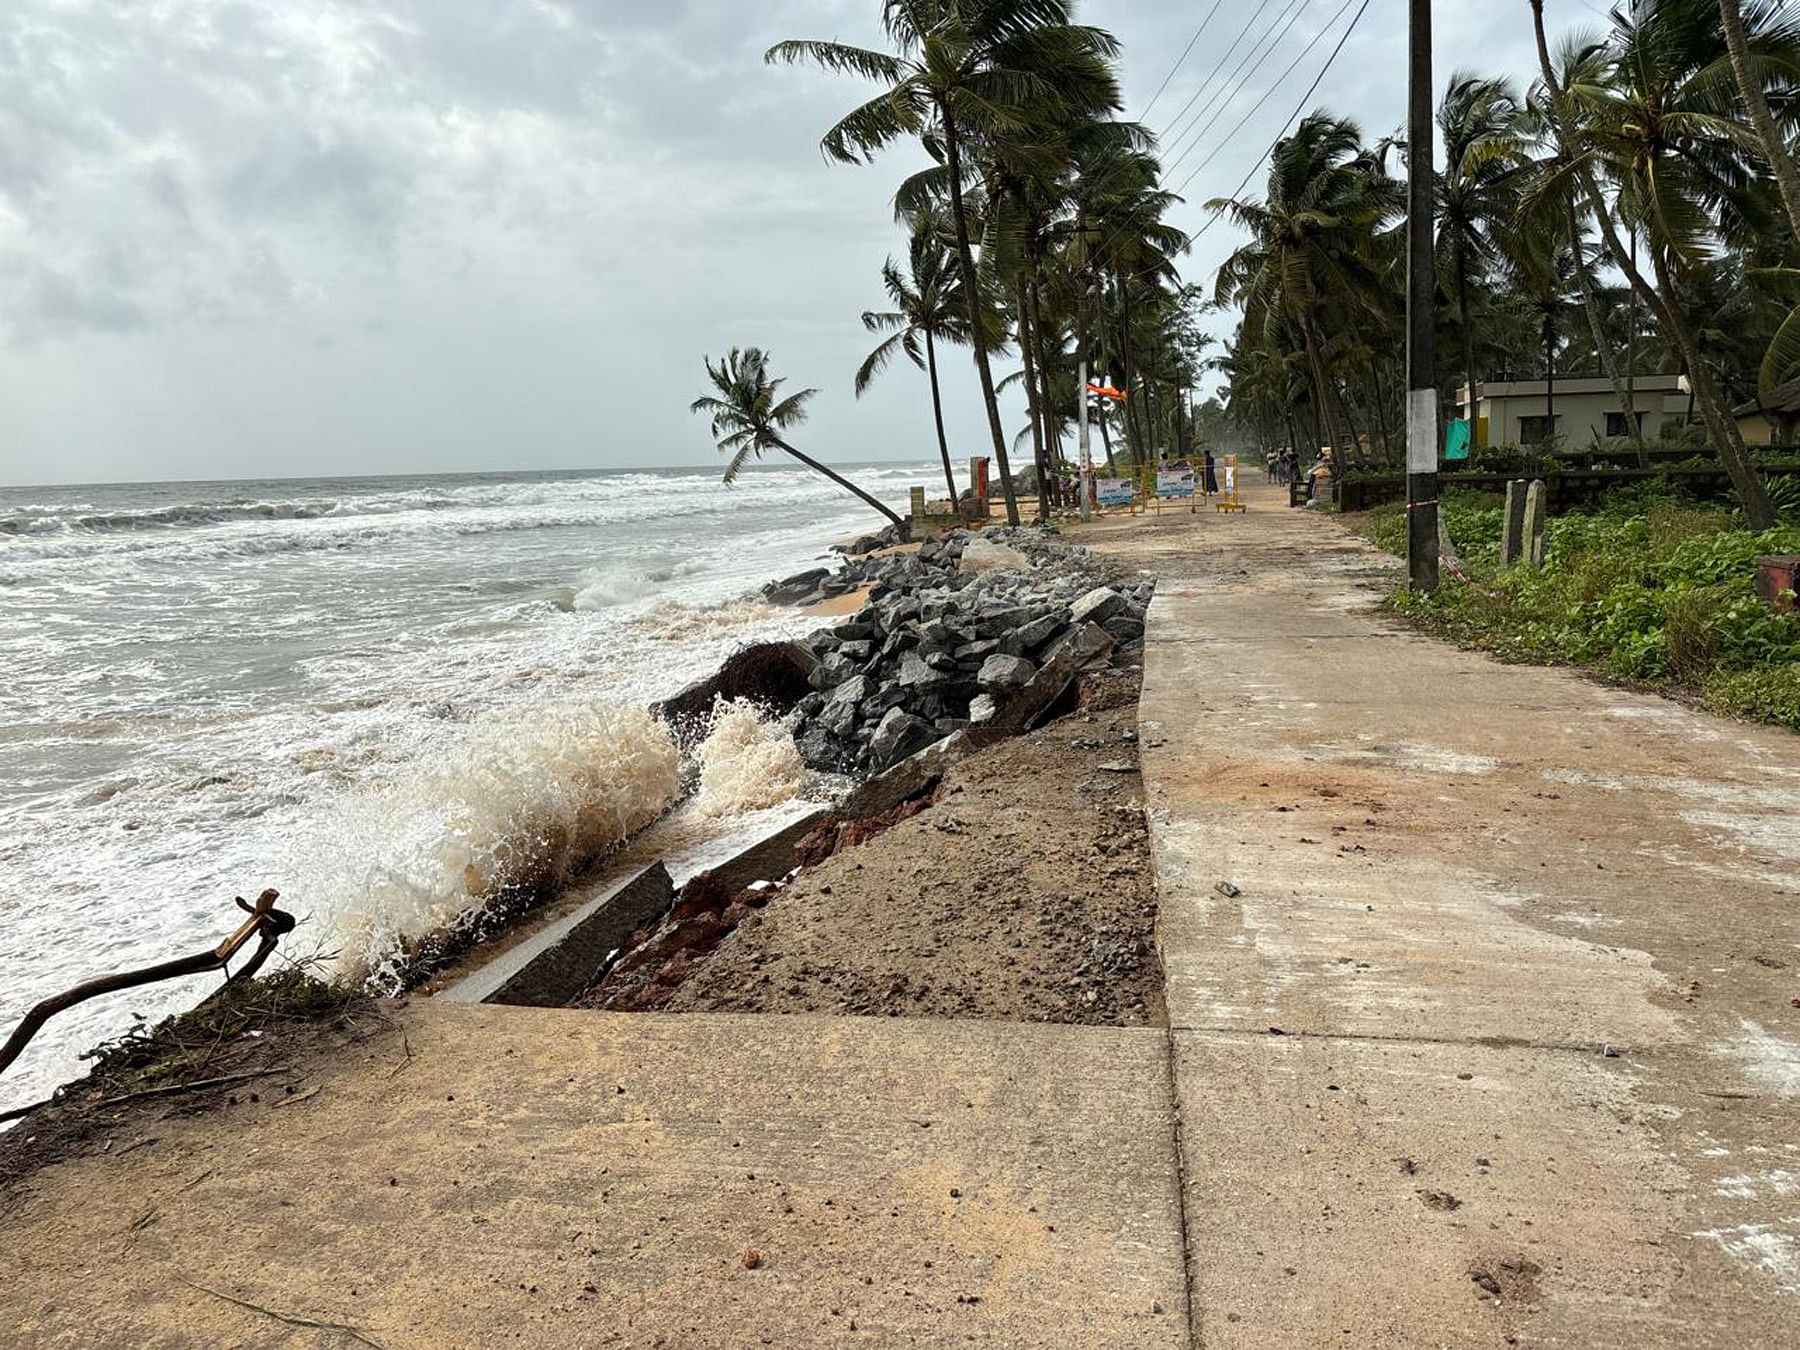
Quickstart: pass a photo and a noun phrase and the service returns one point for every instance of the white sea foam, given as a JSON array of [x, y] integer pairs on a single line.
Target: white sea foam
[[748, 761], [514, 805]]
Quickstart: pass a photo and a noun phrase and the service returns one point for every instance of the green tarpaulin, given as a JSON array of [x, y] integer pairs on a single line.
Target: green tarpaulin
[[1456, 440]]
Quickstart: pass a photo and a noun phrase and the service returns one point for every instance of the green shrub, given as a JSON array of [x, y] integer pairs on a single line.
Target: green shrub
[[1768, 694], [1649, 588]]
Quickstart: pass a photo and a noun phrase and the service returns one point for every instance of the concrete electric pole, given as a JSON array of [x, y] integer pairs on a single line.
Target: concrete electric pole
[[1421, 315]]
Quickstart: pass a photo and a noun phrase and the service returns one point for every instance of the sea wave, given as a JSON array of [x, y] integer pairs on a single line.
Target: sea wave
[[514, 806], [194, 532]]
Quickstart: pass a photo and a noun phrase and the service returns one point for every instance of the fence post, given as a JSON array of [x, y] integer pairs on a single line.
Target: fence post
[[1512, 530], [1534, 522]]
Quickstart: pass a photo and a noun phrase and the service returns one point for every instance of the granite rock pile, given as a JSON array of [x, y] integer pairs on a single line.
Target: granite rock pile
[[941, 646]]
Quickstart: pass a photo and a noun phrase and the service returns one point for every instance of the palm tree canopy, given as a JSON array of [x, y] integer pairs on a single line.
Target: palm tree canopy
[[748, 413]]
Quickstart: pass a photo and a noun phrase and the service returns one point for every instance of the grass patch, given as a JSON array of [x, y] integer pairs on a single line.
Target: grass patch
[[1649, 589]]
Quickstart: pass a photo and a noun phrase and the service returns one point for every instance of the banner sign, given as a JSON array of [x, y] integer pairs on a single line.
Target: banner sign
[[1176, 482], [1113, 491]]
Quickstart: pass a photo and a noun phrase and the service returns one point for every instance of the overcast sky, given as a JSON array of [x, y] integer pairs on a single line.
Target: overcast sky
[[245, 238]]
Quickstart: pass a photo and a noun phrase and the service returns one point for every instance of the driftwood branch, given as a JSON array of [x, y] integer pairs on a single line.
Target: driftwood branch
[[195, 1085], [266, 923]]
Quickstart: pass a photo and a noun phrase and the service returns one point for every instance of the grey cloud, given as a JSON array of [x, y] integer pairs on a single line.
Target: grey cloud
[[215, 193]]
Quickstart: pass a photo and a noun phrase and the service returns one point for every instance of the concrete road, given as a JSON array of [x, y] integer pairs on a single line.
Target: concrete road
[[1490, 1035]]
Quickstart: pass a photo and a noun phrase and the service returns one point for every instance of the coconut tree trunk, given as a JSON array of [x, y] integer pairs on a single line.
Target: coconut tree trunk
[[1590, 302], [1052, 437], [937, 412], [1106, 438], [1032, 405], [1549, 377], [1786, 175], [1663, 301], [972, 285], [1381, 412], [1133, 420], [840, 480], [1321, 408], [1759, 511]]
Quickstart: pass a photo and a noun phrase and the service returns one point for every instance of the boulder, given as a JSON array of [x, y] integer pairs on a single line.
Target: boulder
[[832, 671], [792, 590], [839, 717], [852, 691], [1002, 674], [898, 735], [915, 673], [1097, 606], [1065, 662], [1126, 627], [1029, 637], [977, 652], [982, 710], [988, 555]]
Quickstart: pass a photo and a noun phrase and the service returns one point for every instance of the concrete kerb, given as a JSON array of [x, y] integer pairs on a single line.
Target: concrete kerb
[[549, 969], [554, 966]]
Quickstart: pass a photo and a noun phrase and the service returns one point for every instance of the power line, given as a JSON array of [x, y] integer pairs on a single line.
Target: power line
[[1268, 43], [1304, 99], [1181, 60], [1099, 176], [1259, 103], [1207, 82]]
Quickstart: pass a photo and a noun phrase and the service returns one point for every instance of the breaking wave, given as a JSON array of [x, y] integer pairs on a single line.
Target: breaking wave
[[748, 761], [515, 806]]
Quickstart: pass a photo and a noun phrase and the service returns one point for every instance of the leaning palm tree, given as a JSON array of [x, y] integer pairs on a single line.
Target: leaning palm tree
[[963, 71], [1747, 70], [928, 309], [1662, 129], [749, 416]]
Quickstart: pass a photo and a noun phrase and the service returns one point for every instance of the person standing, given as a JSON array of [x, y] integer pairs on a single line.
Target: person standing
[[1212, 480]]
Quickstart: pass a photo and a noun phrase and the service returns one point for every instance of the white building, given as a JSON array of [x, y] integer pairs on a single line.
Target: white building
[[1518, 412], [1772, 418]]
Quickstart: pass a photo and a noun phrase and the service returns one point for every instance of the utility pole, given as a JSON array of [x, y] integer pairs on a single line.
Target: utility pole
[[1087, 449], [1421, 317]]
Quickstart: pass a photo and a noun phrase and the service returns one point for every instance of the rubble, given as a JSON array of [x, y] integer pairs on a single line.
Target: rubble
[[939, 647]]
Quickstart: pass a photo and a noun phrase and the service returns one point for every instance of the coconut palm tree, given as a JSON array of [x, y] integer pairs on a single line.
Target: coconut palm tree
[[962, 71], [1313, 251], [1664, 132], [1477, 192], [1751, 75], [749, 417], [928, 309]]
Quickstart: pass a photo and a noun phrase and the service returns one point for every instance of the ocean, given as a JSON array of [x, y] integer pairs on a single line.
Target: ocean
[[377, 695]]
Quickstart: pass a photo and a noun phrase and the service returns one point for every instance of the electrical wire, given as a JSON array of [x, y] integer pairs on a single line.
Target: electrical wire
[[1181, 60], [1261, 50], [1305, 98]]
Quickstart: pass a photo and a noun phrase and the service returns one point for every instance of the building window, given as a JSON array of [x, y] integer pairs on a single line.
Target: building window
[[1536, 430], [1616, 425]]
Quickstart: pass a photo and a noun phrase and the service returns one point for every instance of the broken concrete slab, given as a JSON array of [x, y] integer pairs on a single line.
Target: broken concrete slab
[[553, 966], [699, 1180]]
